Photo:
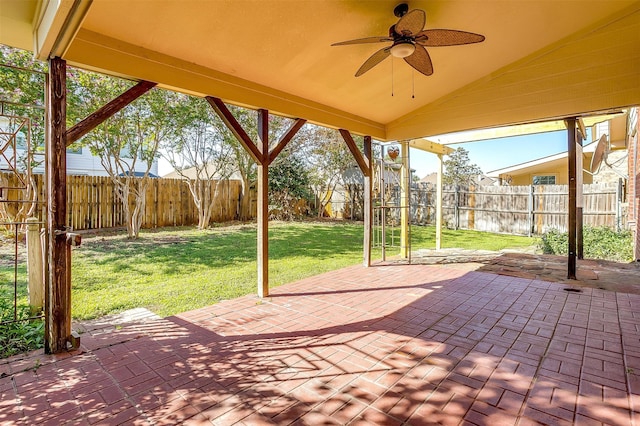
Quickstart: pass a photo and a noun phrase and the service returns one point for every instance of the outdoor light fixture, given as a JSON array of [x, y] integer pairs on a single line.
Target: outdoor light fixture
[[403, 49]]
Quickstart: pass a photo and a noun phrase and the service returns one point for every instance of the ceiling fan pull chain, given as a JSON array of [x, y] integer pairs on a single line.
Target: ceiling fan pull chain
[[391, 76], [413, 84]]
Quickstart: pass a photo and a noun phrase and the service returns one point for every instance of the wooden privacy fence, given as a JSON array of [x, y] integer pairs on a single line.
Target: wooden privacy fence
[[522, 210], [92, 202]]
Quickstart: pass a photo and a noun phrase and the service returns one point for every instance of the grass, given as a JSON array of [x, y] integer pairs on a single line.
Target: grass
[[176, 270], [22, 335]]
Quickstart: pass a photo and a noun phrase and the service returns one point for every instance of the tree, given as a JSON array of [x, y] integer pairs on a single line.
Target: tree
[[199, 153], [458, 169], [288, 184], [130, 137], [242, 160], [22, 87], [329, 159]]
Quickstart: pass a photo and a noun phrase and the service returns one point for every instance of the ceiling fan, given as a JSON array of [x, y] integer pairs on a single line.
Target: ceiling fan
[[409, 39]]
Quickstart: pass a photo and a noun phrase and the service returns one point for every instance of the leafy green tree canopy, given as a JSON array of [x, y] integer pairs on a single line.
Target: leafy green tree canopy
[[458, 169]]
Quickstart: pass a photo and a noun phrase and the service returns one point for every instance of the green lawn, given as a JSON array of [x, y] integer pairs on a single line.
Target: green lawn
[[175, 270]]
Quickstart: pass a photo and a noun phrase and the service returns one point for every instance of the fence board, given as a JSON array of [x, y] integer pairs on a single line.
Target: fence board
[[92, 202], [522, 210]]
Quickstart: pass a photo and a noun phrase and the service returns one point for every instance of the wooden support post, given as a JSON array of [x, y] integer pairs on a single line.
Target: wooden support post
[[368, 205], [571, 141], [263, 157], [58, 299], [366, 166], [35, 266], [405, 187], [579, 197], [530, 207], [439, 204], [263, 204]]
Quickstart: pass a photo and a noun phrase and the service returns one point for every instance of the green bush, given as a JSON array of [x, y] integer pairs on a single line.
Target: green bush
[[23, 335], [599, 243]]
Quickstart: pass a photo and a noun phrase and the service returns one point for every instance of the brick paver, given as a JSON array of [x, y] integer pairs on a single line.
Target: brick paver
[[400, 344]]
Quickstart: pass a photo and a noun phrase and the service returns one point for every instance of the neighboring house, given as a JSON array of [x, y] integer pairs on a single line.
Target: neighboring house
[[79, 162], [480, 180], [553, 170], [13, 132]]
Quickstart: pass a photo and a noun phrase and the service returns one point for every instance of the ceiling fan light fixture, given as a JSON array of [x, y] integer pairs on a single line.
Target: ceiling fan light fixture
[[403, 49]]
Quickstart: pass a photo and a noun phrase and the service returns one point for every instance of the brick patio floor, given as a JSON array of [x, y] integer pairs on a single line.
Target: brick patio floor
[[387, 345]]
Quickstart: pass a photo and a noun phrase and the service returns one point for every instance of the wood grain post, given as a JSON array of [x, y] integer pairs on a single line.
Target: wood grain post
[[579, 198], [35, 265], [405, 187], [368, 205], [58, 309], [263, 204], [439, 204], [571, 141]]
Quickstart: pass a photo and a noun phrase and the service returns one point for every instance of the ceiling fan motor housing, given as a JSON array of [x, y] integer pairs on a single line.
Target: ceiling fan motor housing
[[401, 10]]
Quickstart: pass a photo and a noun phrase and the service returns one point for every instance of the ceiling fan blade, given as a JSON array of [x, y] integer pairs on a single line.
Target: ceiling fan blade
[[374, 60], [447, 38], [380, 39], [411, 23], [420, 60]]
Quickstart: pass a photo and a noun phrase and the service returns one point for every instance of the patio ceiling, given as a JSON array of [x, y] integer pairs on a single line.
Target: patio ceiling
[[540, 59]]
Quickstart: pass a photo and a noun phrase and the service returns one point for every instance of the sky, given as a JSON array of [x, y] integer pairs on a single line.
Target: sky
[[496, 154]]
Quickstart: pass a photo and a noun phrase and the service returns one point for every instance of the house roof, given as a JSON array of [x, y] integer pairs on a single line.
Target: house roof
[[587, 152], [540, 60]]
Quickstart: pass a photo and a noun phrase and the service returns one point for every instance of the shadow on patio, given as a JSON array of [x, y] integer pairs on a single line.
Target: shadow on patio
[[401, 344]]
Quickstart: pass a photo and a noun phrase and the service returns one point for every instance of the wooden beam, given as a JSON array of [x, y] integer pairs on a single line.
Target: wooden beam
[[430, 146], [263, 135], [582, 130], [571, 141], [98, 117], [263, 204], [368, 205], [363, 162], [58, 292], [232, 124], [286, 138]]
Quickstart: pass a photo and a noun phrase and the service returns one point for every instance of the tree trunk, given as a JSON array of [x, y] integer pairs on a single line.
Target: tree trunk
[[245, 200]]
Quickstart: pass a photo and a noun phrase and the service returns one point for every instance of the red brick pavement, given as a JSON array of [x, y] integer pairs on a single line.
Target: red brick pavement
[[387, 345]]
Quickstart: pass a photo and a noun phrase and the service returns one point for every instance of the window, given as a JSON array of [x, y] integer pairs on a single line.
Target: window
[[74, 149], [544, 180]]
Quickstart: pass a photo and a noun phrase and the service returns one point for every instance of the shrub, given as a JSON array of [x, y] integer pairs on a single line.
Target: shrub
[[599, 243], [19, 336]]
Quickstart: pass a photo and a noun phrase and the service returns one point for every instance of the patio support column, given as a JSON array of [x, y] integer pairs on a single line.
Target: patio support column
[[579, 199], [58, 292], [572, 220], [259, 152], [263, 204], [439, 204], [405, 187], [368, 206], [364, 162]]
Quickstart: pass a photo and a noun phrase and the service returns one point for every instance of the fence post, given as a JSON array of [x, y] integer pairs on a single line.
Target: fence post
[[530, 202], [619, 205], [456, 210], [34, 265]]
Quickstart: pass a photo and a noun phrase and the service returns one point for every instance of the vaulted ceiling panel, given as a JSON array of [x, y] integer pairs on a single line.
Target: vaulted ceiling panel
[[540, 59]]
